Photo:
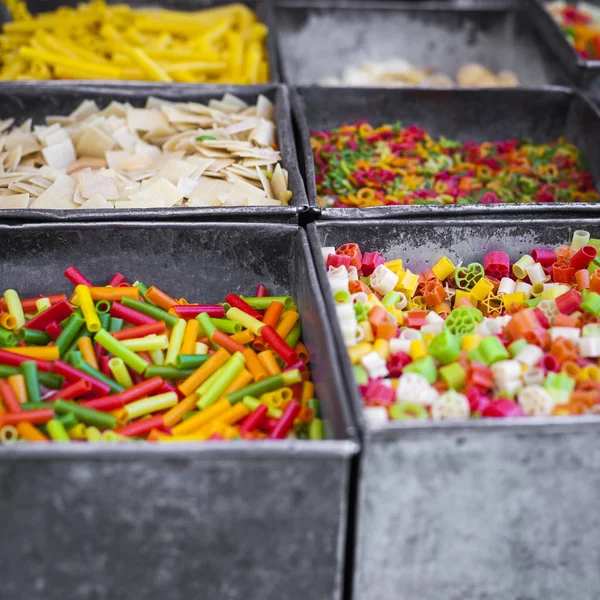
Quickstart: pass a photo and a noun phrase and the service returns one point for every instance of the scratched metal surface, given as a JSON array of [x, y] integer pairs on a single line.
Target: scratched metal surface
[[484, 509], [437, 35], [144, 521]]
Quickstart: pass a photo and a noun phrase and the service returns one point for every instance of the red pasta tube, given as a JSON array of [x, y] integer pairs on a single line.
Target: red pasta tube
[[279, 346], [562, 273], [53, 330], [261, 291], [11, 402], [237, 302], [29, 304], [35, 417], [76, 277], [72, 374], [169, 387], [105, 404], [568, 302], [583, 257], [496, 264], [191, 311], [544, 257], [75, 390], [55, 314], [116, 280], [286, 421], [252, 421], [130, 315], [140, 331], [141, 426], [145, 388]]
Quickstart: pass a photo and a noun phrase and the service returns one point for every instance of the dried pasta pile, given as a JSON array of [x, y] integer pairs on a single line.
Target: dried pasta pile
[[96, 41], [399, 72], [166, 154]]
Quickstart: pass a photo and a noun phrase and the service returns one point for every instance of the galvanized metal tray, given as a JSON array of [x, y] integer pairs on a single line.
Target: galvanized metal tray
[[438, 35], [489, 508], [24, 100], [212, 520], [262, 8], [585, 73], [465, 114]]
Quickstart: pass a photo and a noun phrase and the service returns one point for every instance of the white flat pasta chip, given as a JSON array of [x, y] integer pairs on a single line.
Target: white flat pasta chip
[[60, 156], [14, 201], [96, 201], [160, 190]]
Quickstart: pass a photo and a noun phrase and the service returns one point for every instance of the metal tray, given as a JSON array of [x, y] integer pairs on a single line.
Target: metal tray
[[263, 10], [466, 114], [488, 508], [585, 73], [24, 100], [215, 520], [439, 35]]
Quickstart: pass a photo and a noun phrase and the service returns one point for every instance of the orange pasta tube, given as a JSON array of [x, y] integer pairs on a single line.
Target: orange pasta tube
[[192, 328], [236, 413], [273, 313], [30, 433], [287, 321], [160, 298], [197, 421], [267, 358], [254, 365], [86, 348], [203, 372], [17, 383], [243, 338], [114, 293], [243, 379], [40, 352], [175, 414], [302, 352]]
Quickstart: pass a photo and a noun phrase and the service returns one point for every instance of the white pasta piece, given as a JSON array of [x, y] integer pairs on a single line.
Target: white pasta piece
[[91, 183], [96, 201], [160, 190], [143, 119], [186, 186], [94, 142], [264, 180], [126, 138], [265, 108], [26, 141], [246, 125], [5, 124], [115, 108], [264, 134], [173, 170], [12, 160], [278, 186], [116, 158], [233, 199], [14, 201], [209, 190], [60, 156], [86, 109], [58, 196], [255, 201]]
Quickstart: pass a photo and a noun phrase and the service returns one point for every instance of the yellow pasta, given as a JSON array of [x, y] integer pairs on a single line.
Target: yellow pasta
[[225, 44]]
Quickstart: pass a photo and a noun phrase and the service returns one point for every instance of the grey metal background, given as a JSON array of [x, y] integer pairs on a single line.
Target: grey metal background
[[224, 521], [484, 509], [465, 114], [25, 100], [439, 35]]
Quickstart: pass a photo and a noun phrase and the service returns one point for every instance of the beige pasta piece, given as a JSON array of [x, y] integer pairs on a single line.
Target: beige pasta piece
[[233, 199], [86, 109], [86, 162], [58, 196], [91, 183], [60, 156], [186, 186], [94, 142], [207, 191], [143, 119], [264, 134], [6, 124], [173, 170], [14, 201], [96, 201], [278, 185], [26, 141], [160, 190], [265, 109]]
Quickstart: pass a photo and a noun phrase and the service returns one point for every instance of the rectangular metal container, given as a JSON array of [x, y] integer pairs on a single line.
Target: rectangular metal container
[[438, 35], [486, 508], [207, 520], [262, 8], [24, 100], [585, 73], [465, 114]]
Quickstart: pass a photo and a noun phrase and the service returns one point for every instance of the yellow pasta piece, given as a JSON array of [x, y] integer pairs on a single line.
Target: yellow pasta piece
[[223, 44]]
